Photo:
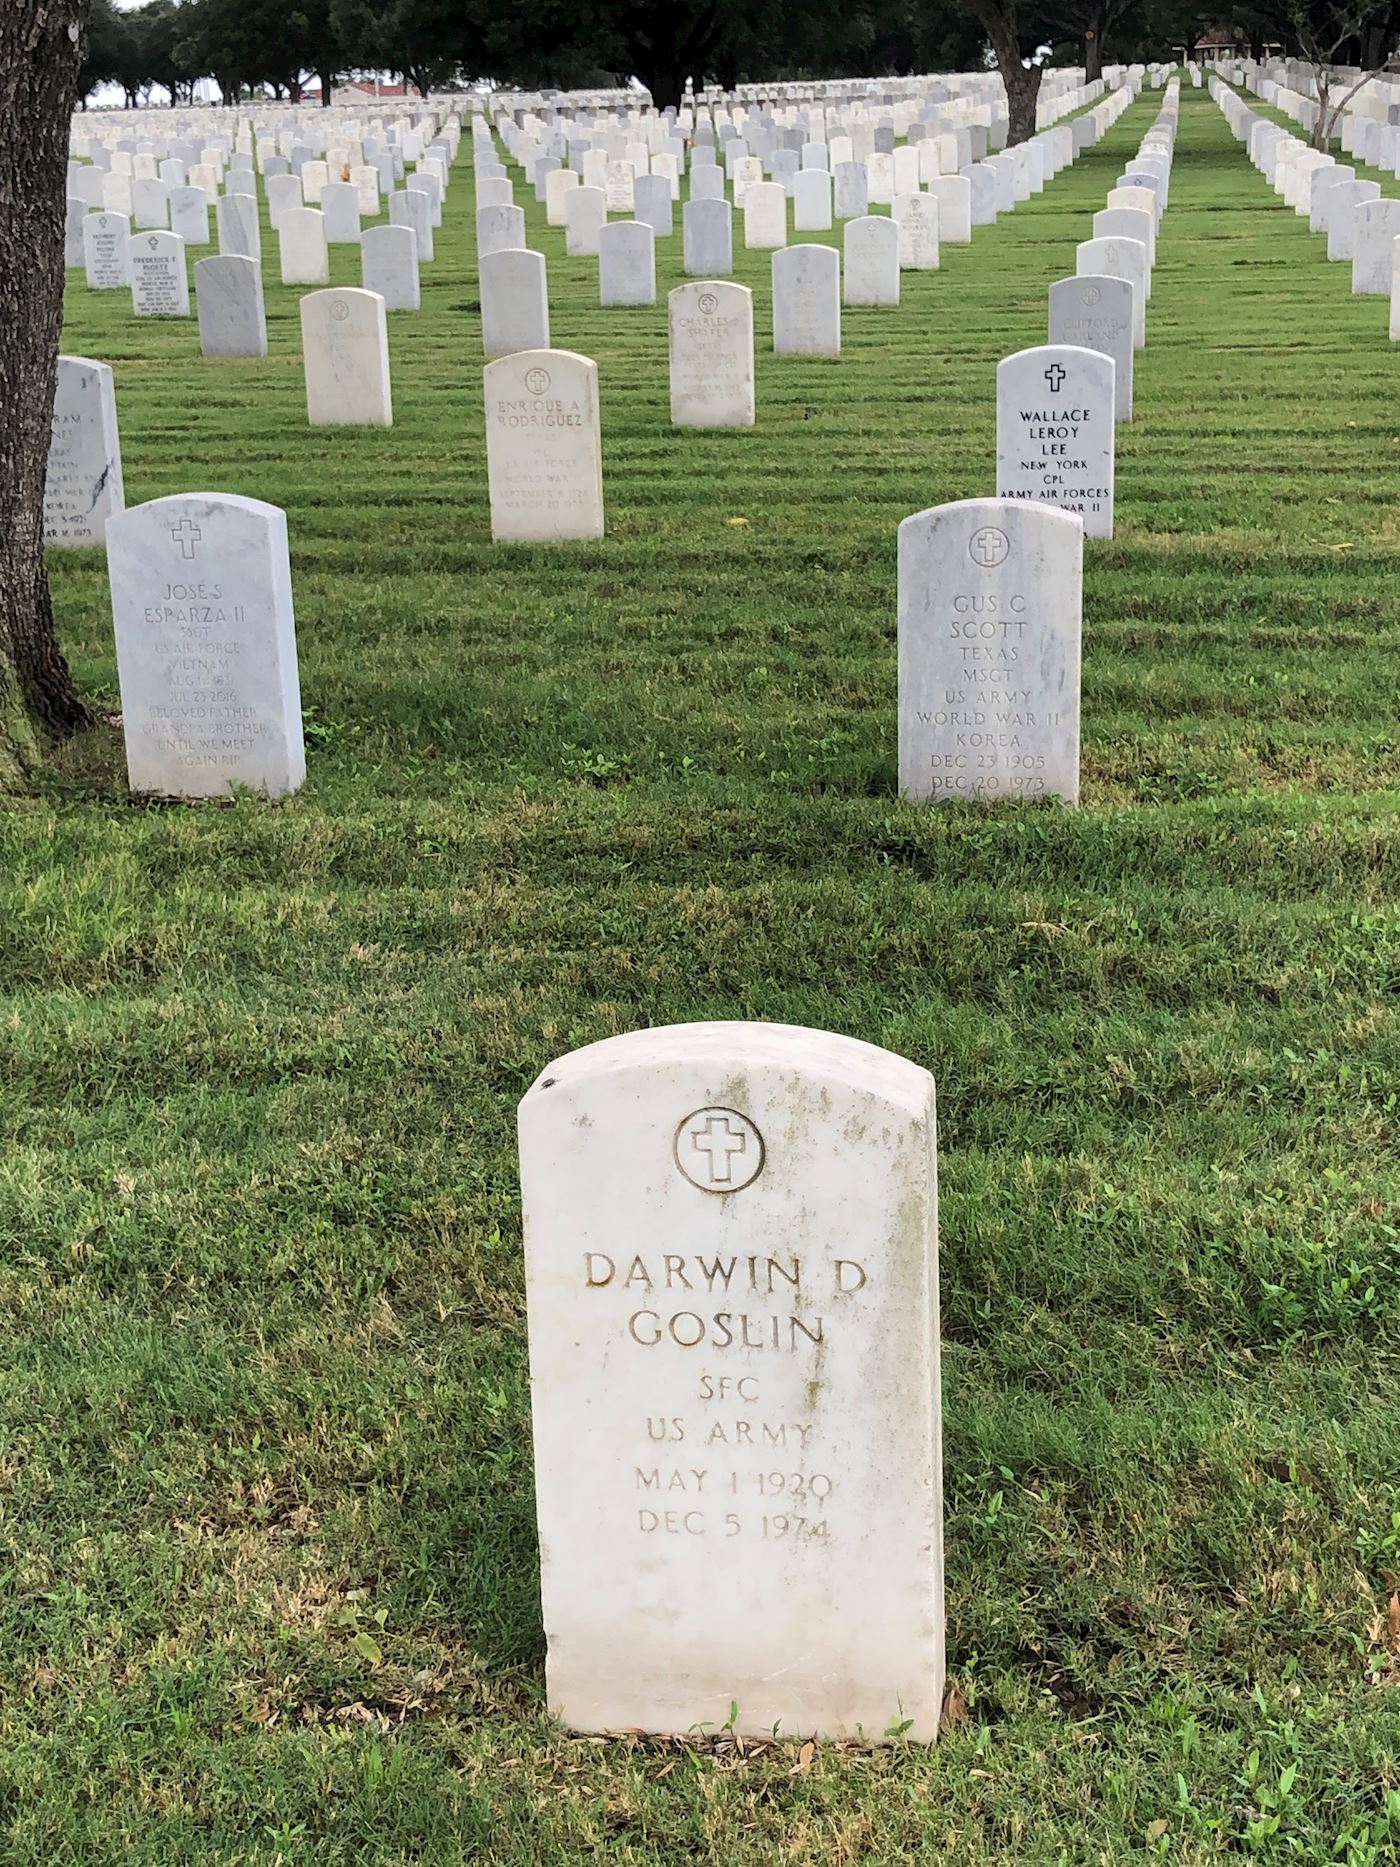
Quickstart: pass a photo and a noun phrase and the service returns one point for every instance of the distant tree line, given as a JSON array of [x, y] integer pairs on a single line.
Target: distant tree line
[[275, 48]]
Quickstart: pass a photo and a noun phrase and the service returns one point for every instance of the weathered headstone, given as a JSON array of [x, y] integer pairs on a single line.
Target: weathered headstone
[[627, 262], [389, 266], [765, 216], [345, 348], [953, 193], [340, 208], [1096, 313], [1055, 429], [711, 351], [189, 215], [543, 447], [990, 601], [916, 216], [707, 233], [807, 301], [160, 287], [229, 300], [302, 250], [514, 302], [1118, 259], [498, 228], [738, 1435], [585, 216], [1375, 226], [107, 251], [811, 201], [872, 261], [652, 194], [206, 647], [236, 217], [83, 487]]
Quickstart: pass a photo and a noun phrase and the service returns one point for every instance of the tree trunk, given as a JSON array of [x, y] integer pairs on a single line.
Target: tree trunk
[[41, 52], [1022, 82], [1093, 58], [327, 85]]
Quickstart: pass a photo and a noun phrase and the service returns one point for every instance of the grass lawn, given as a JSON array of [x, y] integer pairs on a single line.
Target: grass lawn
[[267, 1564]]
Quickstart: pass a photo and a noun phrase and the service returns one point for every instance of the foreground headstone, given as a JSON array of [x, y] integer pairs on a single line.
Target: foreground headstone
[[807, 301], [1096, 313], [732, 1278], [543, 447], [160, 287], [206, 647], [84, 483], [1055, 426], [710, 327], [990, 601], [229, 300], [514, 302], [345, 347]]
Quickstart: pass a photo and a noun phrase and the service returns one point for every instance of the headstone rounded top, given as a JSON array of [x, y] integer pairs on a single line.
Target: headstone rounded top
[[865, 1067]]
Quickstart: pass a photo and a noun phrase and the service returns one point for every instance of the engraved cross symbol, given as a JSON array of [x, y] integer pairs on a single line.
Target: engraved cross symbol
[[1055, 376], [720, 1142], [987, 547], [187, 535]]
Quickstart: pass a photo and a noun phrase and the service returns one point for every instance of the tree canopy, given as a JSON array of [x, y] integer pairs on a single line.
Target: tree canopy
[[276, 47]]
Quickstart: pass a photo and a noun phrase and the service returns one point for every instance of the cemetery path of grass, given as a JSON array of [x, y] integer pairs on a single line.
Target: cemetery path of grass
[[267, 1569]]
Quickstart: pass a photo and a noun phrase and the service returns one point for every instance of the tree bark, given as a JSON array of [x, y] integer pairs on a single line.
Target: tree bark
[[41, 52], [1022, 82], [1093, 58]]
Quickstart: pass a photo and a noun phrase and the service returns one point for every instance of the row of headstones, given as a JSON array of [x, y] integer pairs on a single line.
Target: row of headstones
[[819, 194], [228, 287], [1370, 109], [514, 291], [203, 153], [1361, 226], [990, 606], [569, 129], [711, 354]]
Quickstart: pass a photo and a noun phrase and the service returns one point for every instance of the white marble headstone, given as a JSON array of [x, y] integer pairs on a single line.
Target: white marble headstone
[[389, 266], [585, 216], [206, 648], [731, 1247], [107, 251], [160, 286], [1055, 432], [1119, 259], [710, 324], [707, 233], [543, 447], [345, 348], [83, 487], [229, 301], [627, 262], [1096, 313], [872, 260], [807, 301], [514, 302], [990, 602]]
